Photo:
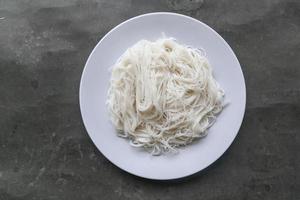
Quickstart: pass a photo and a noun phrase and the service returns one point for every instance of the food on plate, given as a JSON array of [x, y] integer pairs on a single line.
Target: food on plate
[[163, 95]]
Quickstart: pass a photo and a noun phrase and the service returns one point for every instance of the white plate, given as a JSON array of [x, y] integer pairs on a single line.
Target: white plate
[[95, 82]]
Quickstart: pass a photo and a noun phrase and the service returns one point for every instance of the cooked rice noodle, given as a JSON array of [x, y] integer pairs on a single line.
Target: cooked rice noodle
[[163, 95]]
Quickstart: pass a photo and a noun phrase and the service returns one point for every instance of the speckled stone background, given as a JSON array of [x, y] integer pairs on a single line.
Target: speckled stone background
[[45, 152]]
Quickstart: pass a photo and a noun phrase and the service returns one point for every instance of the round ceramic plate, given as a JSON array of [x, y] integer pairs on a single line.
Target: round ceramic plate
[[95, 82]]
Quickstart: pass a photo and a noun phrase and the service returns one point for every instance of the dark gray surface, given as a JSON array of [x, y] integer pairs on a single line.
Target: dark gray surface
[[45, 152]]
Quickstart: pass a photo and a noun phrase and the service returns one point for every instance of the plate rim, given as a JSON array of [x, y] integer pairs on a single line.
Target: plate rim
[[244, 92]]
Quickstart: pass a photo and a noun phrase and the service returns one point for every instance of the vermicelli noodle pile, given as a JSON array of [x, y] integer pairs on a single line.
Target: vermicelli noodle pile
[[163, 95]]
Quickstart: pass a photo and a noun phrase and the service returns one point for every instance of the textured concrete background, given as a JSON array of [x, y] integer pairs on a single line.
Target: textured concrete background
[[45, 152]]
